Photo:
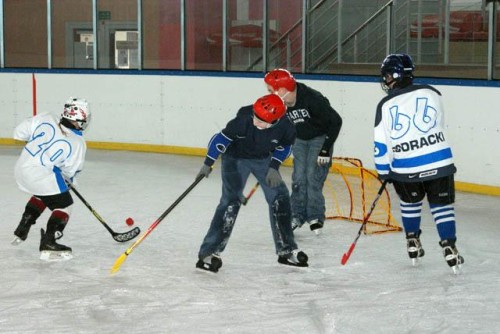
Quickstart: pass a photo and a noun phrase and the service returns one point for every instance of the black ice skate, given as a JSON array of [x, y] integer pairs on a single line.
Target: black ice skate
[[415, 250], [451, 255], [210, 263], [316, 226], [296, 258], [22, 230], [50, 250]]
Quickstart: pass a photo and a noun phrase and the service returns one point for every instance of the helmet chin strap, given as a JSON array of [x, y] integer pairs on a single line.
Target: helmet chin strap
[[67, 123], [388, 84], [284, 95]]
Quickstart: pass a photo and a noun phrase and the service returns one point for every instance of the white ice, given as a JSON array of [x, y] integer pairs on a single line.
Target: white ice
[[158, 289]]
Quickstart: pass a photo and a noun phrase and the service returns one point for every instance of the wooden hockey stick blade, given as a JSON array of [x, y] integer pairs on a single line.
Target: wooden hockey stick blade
[[118, 263], [126, 236]]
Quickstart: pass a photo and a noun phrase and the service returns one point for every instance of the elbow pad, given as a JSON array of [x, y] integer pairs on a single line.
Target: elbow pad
[[217, 145], [280, 153]]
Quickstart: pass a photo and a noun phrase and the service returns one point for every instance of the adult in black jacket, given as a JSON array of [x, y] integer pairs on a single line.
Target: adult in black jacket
[[256, 141], [318, 126]]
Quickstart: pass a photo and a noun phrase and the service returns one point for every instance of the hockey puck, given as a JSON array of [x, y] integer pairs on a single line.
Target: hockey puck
[[129, 221]]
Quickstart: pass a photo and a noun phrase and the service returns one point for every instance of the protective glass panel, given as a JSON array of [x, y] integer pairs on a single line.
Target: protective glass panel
[[245, 35], [161, 25], [72, 36], [285, 35], [117, 34], [204, 35], [25, 33]]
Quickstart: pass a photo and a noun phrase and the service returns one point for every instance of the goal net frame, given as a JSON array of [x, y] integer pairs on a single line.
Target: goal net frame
[[349, 192]]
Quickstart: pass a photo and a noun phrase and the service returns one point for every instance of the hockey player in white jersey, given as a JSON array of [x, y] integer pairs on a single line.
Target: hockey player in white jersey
[[412, 151], [53, 155]]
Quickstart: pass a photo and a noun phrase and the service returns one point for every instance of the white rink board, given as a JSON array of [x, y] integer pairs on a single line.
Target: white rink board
[[187, 110]]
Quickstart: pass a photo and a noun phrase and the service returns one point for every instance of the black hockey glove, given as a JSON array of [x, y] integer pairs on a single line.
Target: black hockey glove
[[204, 171], [273, 178], [385, 178], [324, 158]]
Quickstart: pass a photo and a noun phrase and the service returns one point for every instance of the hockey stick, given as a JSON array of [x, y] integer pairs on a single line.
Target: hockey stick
[[346, 256], [120, 237], [123, 257], [244, 200]]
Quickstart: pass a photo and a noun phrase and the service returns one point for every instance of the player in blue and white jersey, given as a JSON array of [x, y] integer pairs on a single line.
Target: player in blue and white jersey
[[54, 153], [412, 151], [256, 141]]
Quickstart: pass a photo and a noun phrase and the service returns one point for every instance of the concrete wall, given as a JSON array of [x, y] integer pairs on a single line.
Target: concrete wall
[[184, 111]]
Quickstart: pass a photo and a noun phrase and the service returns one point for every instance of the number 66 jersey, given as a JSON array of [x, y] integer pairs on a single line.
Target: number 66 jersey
[[53, 153], [410, 142]]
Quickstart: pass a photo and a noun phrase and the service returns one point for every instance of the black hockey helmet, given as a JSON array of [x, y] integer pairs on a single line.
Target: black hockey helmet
[[399, 66]]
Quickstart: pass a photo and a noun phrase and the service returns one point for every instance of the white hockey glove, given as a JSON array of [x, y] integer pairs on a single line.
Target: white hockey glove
[[323, 158], [273, 178], [204, 171]]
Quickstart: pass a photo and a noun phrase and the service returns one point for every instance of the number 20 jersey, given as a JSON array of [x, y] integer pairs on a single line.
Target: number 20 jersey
[[410, 143], [52, 154]]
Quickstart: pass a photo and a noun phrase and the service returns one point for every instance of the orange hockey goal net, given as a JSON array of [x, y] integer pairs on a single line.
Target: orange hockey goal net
[[350, 190]]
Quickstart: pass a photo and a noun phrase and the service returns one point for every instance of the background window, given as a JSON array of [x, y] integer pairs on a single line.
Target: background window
[[117, 39], [25, 33], [72, 35]]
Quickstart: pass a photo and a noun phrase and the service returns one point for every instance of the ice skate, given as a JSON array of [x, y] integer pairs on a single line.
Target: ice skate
[[451, 255], [415, 250], [210, 263], [22, 230], [50, 250], [296, 258], [316, 226]]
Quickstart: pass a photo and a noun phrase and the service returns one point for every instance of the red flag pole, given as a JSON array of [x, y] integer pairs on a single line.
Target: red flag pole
[[33, 79]]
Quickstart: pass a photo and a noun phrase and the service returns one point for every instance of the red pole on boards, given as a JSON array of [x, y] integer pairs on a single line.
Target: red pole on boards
[[33, 79]]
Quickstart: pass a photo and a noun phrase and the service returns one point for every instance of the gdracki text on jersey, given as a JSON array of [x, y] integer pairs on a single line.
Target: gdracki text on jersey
[[431, 139]]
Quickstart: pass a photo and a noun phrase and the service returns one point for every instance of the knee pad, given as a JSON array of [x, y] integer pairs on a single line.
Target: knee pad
[[61, 216], [34, 208], [67, 210], [58, 220], [36, 204]]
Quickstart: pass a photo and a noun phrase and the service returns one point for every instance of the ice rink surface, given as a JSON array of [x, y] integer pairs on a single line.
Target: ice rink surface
[[158, 289]]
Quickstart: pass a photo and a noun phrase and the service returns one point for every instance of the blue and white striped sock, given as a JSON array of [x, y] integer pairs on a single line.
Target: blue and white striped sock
[[411, 214], [444, 217]]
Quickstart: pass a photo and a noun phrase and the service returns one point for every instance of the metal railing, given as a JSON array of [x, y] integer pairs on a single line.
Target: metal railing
[[328, 34]]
